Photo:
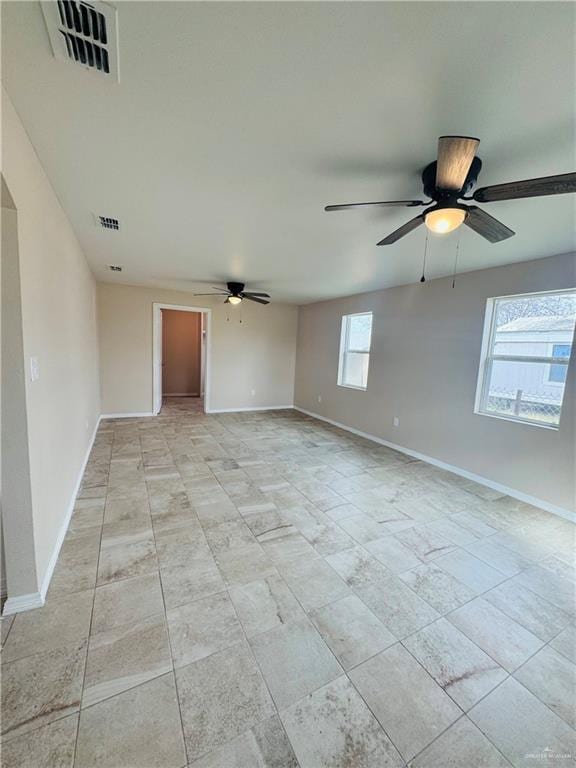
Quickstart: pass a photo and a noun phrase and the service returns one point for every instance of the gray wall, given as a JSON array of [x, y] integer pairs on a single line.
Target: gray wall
[[426, 343]]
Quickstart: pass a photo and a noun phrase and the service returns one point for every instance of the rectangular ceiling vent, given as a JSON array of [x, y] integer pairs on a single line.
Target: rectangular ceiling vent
[[84, 33], [106, 222]]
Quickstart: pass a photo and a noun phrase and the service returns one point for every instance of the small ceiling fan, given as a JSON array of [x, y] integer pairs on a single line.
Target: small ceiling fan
[[449, 179], [235, 293]]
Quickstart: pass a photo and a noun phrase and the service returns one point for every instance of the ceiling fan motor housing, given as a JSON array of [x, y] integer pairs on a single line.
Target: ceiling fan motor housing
[[429, 182], [235, 288]]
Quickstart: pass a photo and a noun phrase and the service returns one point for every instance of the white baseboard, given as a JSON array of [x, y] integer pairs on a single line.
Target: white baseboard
[[126, 415], [520, 495], [251, 408], [22, 603]]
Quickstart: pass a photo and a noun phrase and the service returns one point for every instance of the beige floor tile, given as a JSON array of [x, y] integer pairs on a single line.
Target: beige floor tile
[[477, 575], [397, 606], [203, 627], [552, 587], [123, 602], [242, 565], [552, 678], [393, 554], [60, 622], [39, 689], [441, 590], [461, 746], [119, 510], [128, 549], [334, 727], [521, 727], [51, 746], [459, 667], [124, 657], [294, 661], [314, 583], [565, 643], [409, 705], [357, 567], [264, 604], [140, 727], [533, 612], [351, 631], [504, 560], [221, 697], [498, 635], [426, 543], [266, 746]]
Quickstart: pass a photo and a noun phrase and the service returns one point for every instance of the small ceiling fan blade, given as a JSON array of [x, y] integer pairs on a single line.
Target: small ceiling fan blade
[[403, 230], [486, 225], [256, 293], [547, 185], [248, 297], [217, 288], [384, 204], [208, 294], [455, 155]]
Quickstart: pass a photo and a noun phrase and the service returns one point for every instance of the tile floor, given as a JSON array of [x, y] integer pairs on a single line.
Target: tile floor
[[262, 589]]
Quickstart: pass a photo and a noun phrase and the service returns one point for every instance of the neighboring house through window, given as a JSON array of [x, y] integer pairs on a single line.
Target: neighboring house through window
[[525, 355]]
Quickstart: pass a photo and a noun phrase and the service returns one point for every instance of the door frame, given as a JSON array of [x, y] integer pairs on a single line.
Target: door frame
[[157, 351]]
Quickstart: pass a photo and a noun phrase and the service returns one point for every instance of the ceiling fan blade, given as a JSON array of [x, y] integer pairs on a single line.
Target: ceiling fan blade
[[256, 293], [248, 297], [385, 204], [217, 288], [486, 225], [207, 294], [403, 230], [455, 155], [547, 185]]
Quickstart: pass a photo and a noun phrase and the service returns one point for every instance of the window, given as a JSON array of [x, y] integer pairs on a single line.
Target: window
[[525, 354], [355, 350]]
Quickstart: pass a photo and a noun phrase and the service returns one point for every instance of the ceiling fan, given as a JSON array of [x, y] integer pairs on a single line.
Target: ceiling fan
[[235, 293], [449, 179]]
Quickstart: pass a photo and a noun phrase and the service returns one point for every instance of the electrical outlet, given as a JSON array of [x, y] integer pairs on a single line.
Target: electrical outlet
[[396, 421], [319, 398]]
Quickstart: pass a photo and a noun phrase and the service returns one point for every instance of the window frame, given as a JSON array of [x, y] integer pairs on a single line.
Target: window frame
[[344, 351], [487, 361]]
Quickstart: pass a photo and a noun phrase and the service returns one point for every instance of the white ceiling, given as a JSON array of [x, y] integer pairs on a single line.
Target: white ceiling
[[235, 123]]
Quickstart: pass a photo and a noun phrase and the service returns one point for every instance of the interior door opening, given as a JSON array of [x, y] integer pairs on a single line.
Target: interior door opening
[[181, 338]]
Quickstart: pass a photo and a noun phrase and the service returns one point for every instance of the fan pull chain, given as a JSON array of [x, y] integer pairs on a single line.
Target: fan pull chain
[[423, 278], [456, 258]]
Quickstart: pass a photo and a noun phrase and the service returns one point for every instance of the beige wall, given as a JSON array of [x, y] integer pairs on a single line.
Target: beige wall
[[181, 352], [255, 355], [58, 303], [424, 365]]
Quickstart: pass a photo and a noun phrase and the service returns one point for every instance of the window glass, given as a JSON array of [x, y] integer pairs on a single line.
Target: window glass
[[526, 356], [355, 340]]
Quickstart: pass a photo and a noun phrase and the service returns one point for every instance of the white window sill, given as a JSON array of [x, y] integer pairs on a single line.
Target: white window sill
[[527, 422], [351, 386]]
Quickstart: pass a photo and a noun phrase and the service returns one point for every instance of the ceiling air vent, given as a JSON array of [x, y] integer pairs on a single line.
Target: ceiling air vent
[[85, 33], [106, 222]]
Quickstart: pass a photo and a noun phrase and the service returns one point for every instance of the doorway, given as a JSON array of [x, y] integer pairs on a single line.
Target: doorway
[[181, 344]]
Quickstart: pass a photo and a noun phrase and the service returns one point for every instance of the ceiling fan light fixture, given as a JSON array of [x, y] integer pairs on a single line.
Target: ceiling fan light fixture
[[234, 299], [444, 220]]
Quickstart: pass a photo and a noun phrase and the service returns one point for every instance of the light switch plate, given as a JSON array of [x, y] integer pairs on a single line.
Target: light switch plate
[[34, 369]]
